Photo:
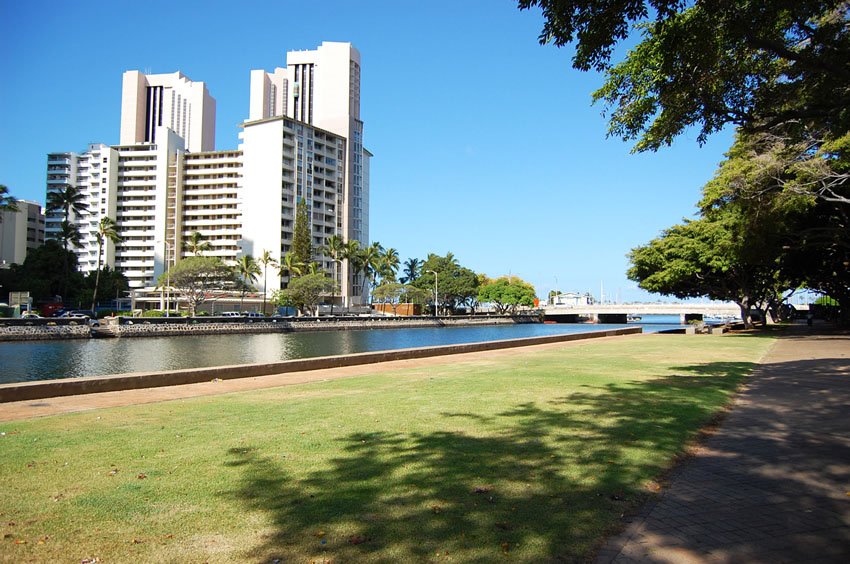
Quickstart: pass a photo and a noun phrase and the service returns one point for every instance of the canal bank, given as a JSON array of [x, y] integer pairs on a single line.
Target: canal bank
[[49, 329]]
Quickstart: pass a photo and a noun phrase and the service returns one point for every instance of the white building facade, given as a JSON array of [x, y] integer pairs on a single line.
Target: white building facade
[[165, 181], [322, 88], [150, 101]]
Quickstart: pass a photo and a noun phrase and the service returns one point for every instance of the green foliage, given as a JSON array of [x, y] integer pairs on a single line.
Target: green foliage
[[7, 202], [457, 286], [394, 293], [107, 230], [507, 293], [43, 276], [196, 245], [305, 292], [302, 240], [197, 277], [412, 270], [710, 63]]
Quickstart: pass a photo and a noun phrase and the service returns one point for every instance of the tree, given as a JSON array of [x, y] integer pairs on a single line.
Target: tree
[[335, 249], [456, 285], [67, 199], [392, 293], [302, 240], [196, 245], [7, 202], [107, 230], [388, 264], [306, 291], [351, 255], [290, 266], [709, 63], [38, 273], [369, 262], [507, 294], [266, 259], [708, 257], [248, 271], [196, 277], [412, 267], [69, 235]]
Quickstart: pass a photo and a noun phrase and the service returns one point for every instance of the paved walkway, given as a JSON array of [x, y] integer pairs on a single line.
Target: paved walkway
[[773, 485]]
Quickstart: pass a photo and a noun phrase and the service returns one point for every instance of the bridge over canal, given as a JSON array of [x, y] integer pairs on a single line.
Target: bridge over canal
[[619, 313]]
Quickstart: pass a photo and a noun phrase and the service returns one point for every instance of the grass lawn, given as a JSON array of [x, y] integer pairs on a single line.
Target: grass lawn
[[532, 458]]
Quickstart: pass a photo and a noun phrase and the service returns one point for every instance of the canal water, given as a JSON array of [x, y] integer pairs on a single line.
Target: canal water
[[45, 360]]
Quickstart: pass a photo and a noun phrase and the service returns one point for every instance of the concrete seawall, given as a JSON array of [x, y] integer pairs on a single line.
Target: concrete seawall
[[95, 384], [49, 329]]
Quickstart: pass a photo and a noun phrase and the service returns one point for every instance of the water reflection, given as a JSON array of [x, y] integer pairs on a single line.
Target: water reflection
[[41, 360]]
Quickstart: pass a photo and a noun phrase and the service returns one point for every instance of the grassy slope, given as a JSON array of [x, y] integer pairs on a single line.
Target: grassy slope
[[534, 456]]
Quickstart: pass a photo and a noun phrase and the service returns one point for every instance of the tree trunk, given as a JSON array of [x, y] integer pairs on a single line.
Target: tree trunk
[[96, 280], [744, 305]]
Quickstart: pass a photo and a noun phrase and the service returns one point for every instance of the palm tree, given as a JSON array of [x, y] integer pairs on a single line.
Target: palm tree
[[7, 202], [107, 230], [68, 198], [351, 254], [196, 244], [314, 268], [248, 270], [69, 234], [290, 266], [334, 248], [388, 265], [265, 260], [369, 259], [412, 268]]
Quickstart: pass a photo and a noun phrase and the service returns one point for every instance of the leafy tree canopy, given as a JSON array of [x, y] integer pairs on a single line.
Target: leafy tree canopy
[[306, 292], [507, 293], [457, 286], [196, 277], [710, 63]]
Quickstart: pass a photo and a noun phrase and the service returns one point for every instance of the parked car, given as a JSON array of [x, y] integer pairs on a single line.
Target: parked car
[[230, 314], [30, 315], [253, 314]]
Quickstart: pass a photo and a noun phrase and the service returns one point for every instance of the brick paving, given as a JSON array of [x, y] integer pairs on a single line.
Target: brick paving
[[773, 484]]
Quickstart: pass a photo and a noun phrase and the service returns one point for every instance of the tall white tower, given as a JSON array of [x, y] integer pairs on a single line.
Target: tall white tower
[[322, 88], [149, 101]]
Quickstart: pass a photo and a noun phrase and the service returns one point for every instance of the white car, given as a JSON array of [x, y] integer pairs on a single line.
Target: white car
[[231, 314]]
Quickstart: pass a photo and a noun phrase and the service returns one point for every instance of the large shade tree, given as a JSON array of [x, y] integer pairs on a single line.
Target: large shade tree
[[306, 292], [197, 278], [507, 293], [457, 286], [710, 63]]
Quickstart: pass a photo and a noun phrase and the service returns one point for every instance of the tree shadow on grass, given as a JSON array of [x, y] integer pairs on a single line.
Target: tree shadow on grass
[[535, 482]]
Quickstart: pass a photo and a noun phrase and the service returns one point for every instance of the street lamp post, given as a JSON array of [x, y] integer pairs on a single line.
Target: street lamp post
[[435, 290]]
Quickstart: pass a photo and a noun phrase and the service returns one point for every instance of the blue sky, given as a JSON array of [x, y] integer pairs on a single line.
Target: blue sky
[[485, 142]]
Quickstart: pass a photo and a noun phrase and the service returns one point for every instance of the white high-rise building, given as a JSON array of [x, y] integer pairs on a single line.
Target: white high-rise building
[[165, 182], [285, 162], [322, 88], [149, 101]]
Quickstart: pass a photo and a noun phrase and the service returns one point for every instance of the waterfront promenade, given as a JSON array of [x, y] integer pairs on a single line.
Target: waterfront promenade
[[773, 484]]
